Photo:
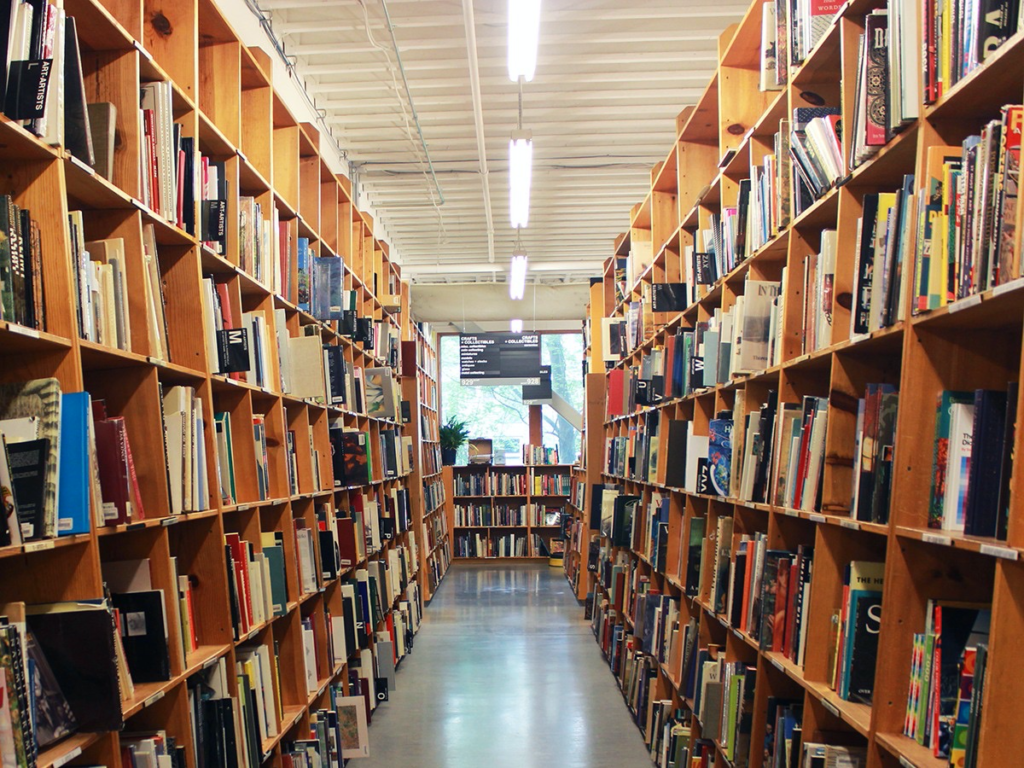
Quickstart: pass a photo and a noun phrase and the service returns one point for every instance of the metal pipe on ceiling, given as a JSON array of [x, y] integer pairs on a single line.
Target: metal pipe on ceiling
[[478, 120]]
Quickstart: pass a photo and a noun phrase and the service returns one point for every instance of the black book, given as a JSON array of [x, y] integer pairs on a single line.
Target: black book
[[1006, 468], [865, 264], [997, 20], [669, 297], [77, 133], [27, 461], [766, 430], [233, 350], [704, 268], [864, 648], [78, 642], [188, 145], [981, 510], [334, 363], [390, 454], [675, 447], [144, 635], [622, 520], [232, 593], [329, 555], [53, 716]]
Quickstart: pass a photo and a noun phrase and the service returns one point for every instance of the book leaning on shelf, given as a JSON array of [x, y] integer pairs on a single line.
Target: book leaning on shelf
[[52, 688]]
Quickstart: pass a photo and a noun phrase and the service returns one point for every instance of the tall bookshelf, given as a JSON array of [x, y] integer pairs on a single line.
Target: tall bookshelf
[[223, 98], [507, 501], [966, 344], [426, 487]]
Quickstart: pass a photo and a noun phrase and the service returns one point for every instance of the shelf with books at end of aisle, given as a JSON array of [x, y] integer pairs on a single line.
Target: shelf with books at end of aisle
[[815, 388], [242, 473], [420, 425], [502, 495]]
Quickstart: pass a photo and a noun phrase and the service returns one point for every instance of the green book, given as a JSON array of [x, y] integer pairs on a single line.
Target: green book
[[735, 692], [940, 450], [274, 555]]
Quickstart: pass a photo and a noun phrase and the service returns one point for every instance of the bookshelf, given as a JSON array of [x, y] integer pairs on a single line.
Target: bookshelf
[[500, 508], [681, 558], [419, 386], [222, 98]]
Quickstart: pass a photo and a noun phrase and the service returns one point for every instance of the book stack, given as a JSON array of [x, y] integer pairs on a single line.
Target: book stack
[[819, 299], [213, 196], [817, 153], [723, 702], [884, 234], [255, 238], [251, 578], [966, 239], [799, 456], [21, 267], [157, 749], [972, 461], [947, 676], [168, 175], [539, 455], [185, 449]]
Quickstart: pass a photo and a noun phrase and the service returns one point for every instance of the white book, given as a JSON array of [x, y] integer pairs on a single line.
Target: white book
[[309, 659], [958, 461], [826, 279], [815, 457]]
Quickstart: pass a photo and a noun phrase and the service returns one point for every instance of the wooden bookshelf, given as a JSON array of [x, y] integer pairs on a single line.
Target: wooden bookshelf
[[969, 344], [426, 487], [528, 492], [224, 98]]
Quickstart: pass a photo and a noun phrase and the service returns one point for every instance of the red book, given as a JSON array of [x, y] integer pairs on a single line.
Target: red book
[[113, 472], [615, 385], [347, 541], [805, 438], [138, 512], [180, 202], [240, 558], [670, 355]]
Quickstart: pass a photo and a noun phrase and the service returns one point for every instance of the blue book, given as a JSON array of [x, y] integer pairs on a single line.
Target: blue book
[[73, 507], [720, 455], [304, 276]]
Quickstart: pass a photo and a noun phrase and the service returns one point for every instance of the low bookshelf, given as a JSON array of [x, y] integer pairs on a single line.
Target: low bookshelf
[[507, 511]]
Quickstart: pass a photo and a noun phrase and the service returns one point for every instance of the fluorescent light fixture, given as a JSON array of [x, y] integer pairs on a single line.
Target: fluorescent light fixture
[[520, 169], [517, 276], [523, 35], [516, 326]]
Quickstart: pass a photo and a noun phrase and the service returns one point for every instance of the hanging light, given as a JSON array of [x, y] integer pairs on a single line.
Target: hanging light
[[523, 35], [520, 169], [517, 275], [516, 326]]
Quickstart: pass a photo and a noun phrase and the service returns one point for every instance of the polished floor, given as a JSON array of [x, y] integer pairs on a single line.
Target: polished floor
[[505, 673]]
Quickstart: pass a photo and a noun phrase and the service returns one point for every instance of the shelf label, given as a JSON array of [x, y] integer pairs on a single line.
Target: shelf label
[[65, 759], [210, 662], [39, 546], [32, 333], [135, 526], [153, 699], [830, 707], [79, 164], [1002, 552], [906, 763], [853, 525], [937, 538], [778, 665], [966, 303], [167, 522], [1012, 285], [816, 518], [145, 54], [791, 513]]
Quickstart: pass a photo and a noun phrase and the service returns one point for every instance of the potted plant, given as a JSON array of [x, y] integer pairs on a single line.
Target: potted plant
[[453, 434]]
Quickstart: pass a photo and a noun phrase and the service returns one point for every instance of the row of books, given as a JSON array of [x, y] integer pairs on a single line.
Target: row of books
[[243, 350], [551, 485], [972, 461], [430, 455], [353, 460], [947, 680], [21, 267], [67, 465], [966, 215], [488, 515], [167, 158], [436, 530], [538, 455], [433, 494], [502, 545]]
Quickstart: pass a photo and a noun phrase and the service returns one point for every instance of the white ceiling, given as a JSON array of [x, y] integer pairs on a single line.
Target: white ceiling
[[611, 77]]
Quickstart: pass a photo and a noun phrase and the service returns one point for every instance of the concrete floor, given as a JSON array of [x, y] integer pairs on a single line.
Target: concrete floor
[[505, 673]]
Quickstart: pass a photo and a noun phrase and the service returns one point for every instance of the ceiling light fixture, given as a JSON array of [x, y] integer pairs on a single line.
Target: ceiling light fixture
[[523, 38], [520, 171], [516, 326], [517, 274]]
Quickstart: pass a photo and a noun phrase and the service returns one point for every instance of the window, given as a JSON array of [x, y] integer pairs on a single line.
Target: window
[[498, 413]]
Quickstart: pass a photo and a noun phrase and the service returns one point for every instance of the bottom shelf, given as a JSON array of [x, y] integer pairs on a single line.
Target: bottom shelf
[[515, 557]]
